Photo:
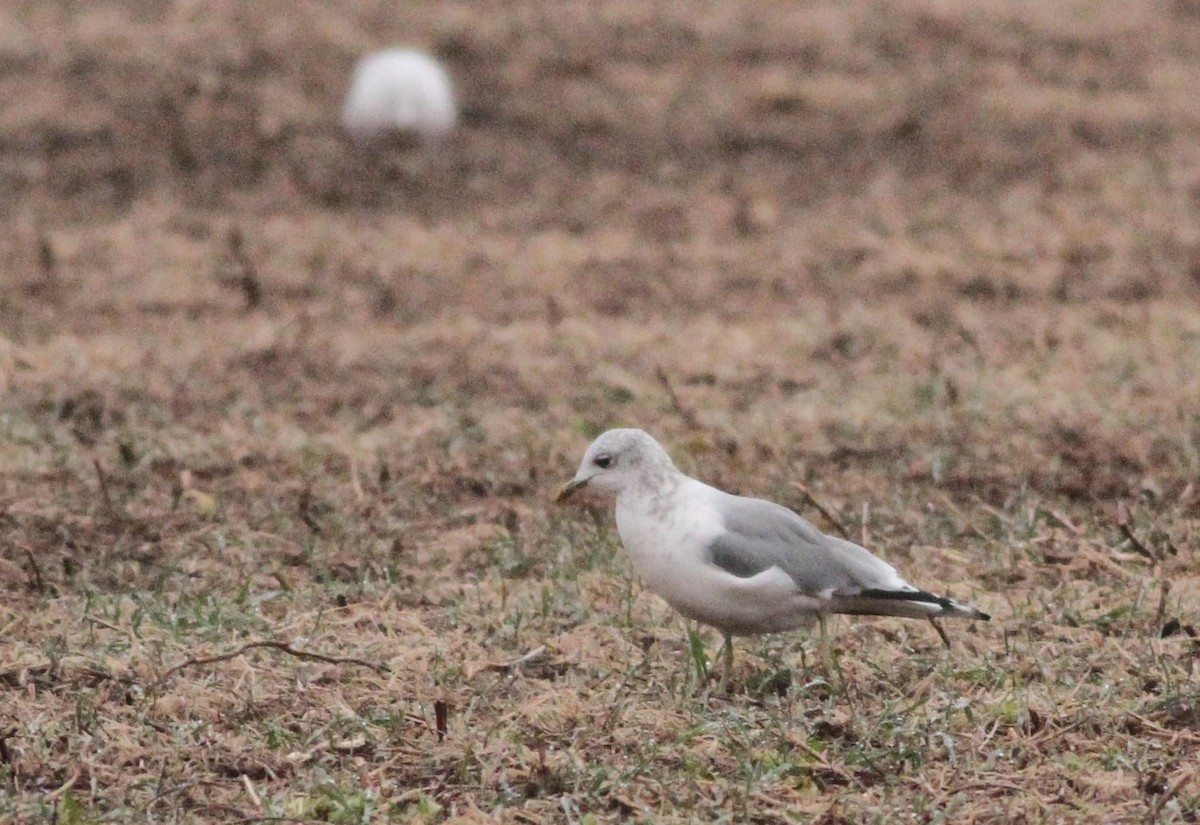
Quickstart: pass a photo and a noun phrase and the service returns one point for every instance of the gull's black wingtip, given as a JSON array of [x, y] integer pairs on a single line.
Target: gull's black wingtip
[[948, 607]]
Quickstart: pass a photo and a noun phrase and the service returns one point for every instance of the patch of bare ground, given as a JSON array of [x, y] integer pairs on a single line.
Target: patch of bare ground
[[281, 417]]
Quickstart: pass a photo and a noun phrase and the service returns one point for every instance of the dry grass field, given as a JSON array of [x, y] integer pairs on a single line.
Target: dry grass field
[[282, 417]]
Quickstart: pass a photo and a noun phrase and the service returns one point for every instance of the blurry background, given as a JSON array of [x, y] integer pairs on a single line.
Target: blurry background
[[628, 159]]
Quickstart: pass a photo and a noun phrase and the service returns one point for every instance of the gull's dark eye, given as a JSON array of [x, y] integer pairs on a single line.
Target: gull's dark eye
[[602, 461]]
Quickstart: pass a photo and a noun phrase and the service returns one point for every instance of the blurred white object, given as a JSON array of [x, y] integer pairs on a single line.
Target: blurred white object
[[399, 90]]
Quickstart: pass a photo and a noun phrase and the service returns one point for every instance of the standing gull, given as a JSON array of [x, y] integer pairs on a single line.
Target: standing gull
[[742, 565]]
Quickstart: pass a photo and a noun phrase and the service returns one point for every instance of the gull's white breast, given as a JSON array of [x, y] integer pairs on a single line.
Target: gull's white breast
[[668, 540]]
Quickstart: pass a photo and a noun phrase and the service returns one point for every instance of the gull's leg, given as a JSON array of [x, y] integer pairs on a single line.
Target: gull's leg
[[825, 660], [827, 657], [727, 649], [699, 659], [938, 627]]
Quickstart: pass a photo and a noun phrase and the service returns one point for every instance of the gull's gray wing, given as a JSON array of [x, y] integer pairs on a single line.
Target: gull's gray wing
[[760, 535]]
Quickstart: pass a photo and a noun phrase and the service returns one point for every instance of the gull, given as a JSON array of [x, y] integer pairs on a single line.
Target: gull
[[742, 565], [399, 90]]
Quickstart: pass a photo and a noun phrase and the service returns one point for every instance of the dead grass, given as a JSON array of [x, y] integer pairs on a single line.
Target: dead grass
[[939, 264]]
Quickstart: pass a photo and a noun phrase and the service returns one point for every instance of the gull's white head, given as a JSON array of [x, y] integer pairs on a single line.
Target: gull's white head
[[618, 460]]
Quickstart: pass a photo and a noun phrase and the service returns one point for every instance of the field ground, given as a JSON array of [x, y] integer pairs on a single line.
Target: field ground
[[938, 262]]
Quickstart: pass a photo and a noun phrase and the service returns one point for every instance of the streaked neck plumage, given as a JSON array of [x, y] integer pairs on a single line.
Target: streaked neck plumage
[[653, 486]]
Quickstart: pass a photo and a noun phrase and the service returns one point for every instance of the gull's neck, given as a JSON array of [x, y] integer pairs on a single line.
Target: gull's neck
[[653, 490]]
